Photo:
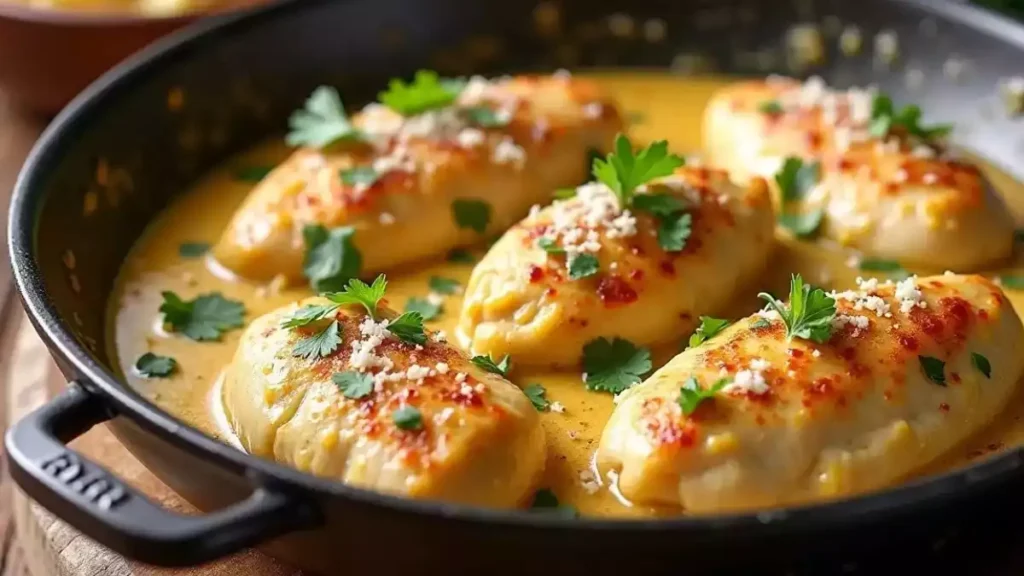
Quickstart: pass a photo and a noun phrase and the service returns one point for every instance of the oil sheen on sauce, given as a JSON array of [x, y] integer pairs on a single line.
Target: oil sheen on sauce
[[664, 107]]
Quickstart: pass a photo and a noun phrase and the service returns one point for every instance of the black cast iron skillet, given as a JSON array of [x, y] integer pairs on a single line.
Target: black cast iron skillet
[[111, 161]]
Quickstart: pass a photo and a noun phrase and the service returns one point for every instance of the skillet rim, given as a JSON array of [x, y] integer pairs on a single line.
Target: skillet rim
[[27, 199]]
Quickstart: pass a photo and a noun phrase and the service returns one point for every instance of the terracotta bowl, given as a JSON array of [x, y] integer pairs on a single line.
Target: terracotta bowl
[[47, 55]]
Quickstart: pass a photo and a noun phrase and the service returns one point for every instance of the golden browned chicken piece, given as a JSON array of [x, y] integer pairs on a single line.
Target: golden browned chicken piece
[[381, 412], [909, 370], [522, 300], [420, 184], [886, 185]]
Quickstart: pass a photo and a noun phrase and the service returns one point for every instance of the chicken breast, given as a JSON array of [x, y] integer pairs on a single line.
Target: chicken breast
[[501, 148], [521, 301], [478, 441], [909, 371], [898, 196]]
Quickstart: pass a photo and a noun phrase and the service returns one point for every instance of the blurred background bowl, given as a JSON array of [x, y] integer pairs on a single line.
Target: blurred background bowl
[[51, 49]]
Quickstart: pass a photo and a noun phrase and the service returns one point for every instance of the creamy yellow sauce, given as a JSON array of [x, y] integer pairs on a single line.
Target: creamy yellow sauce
[[662, 107]]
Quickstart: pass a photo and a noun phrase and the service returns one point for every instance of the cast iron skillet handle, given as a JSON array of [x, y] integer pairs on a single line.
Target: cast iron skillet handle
[[90, 499]]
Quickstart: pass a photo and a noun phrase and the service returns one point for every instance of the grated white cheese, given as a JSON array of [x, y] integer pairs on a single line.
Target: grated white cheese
[[909, 295], [557, 407], [386, 218], [471, 137], [859, 323], [593, 110], [751, 380], [508, 152]]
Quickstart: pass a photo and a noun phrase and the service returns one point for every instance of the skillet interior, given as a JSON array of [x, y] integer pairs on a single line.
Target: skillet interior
[[111, 163]]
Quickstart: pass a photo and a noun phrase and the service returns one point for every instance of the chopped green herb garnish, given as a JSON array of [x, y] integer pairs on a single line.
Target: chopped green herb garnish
[[360, 175], [674, 231], [624, 172], [205, 318], [408, 328], [760, 323], [332, 259], [252, 174], [885, 119], [358, 292], [659, 204], [546, 501], [472, 214], [461, 256], [485, 362], [426, 92], [796, 179], [407, 418], [889, 267], [981, 364], [538, 396], [583, 265], [150, 365], [772, 107], [564, 193], [1012, 281], [320, 343], [353, 384], [485, 117], [691, 395], [802, 225], [934, 369], [707, 330], [193, 249], [446, 286], [308, 314], [613, 366], [423, 307], [550, 246], [809, 313], [322, 122]]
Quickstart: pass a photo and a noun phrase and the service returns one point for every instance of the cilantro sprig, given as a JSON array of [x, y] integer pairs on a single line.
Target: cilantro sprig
[[809, 313], [426, 92], [500, 368], [614, 365], [472, 214], [322, 122], [331, 258], [934, 369], [538, 396], [886, 119], [624, 172], [691, 395], [424, 308], [708, 328], [204, 318], [320, 343], [151, 365], [353, 384], [796, 179]]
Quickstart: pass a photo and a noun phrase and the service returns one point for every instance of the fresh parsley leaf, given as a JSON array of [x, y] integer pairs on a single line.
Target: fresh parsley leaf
[[423, 307], [890, 267], [661, 205], [353, 384], [802, 225], [472, 214], [691, 395], [771, 107], [537, 395], [308, 314], [674, 231], [810, 311], [150, 365], [357, 292], [320, 343], [331, 259], [485, 117], [1012, 281], [461, 256], [407, 418], [981, 364], [550, 246], [193, 249], [707, 330], [623, 172], [426, 92], [252, 174], [446, 286], [322, 122], [613, 366], [408, 328], [564, 193], [934, 369], [546, 501], [885, 119], [796, 179], [359, 175], [485, 362], [583, 265], [205, 318]]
